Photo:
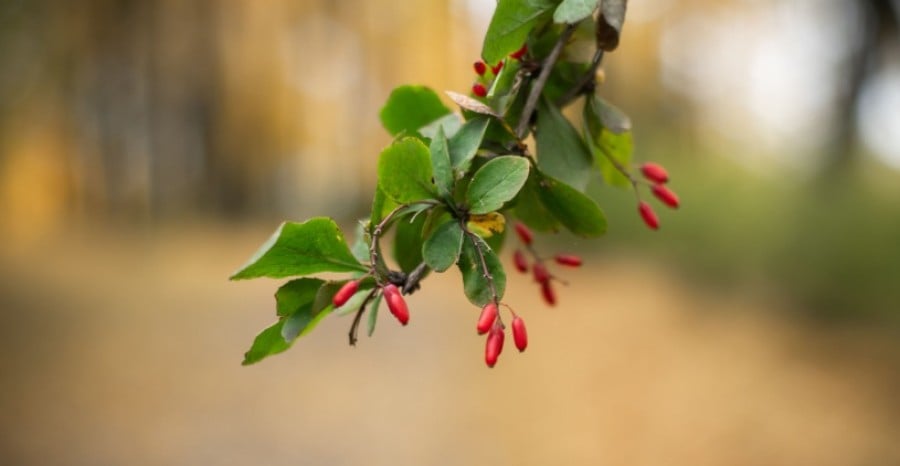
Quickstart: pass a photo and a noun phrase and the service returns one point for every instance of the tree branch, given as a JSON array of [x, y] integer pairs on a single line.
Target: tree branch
[[538, 87], [586, 83]]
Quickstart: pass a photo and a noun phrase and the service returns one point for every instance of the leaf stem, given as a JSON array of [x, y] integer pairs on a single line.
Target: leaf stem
[[354, 327], [538, 87]]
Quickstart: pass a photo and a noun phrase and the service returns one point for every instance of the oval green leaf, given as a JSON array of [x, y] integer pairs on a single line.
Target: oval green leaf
[[409, 108], [497, 182], [510, 25], [441, 249], [577, 212], [561, 153], [404, 171], [475, 284]]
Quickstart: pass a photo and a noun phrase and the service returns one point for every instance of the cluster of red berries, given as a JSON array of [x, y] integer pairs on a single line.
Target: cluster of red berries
[[657, 175], [479, 88], [489, 322], [541, 275], [395, 302]]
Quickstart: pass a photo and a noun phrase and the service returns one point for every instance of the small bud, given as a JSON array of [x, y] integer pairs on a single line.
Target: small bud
[[396, 303], [654, 172], [518, 54], [520, 261], [480, 67], [520, 336], [569, 260], [345, 293], [666, 195], [487, 318], [524, 233], [494, 345], [648, 215], [479, 90], [496, 68], [548, 293], [541, 275]]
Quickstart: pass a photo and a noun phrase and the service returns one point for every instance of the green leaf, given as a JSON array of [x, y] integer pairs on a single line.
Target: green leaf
[[295, 294], [360, 247], [373, 314], [464, 145], [409, 108], [314, 246], [408, 242], [441, 249], [530, 209], [440, 164], [510, 25], [496, 182], [577, 212], [302, 322], [560, 150], [267, 343], [573, 11], [610, 146], [451, 123], [404, 171], [475, 284]]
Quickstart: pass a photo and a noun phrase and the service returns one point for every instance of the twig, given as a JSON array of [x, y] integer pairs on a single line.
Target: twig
[[587, 81], [354, 327], [484, 268], [538, 87]]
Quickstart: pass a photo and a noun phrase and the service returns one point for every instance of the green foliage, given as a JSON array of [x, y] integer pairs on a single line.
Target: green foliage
[[411, 107], [314, 246], [510, 25], [448, 183], [495, 183]]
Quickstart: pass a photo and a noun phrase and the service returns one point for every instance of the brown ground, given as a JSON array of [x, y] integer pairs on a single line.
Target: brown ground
[[125, 350]]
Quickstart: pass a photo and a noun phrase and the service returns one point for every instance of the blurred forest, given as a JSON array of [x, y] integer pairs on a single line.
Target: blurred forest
[[148, 146]]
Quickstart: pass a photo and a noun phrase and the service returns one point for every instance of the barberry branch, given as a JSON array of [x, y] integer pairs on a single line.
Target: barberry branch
[[585, 84], [379, 229], [538, 87], [476, 241]]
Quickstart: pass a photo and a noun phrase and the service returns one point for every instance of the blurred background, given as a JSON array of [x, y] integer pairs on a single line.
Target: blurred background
[[147, 147]]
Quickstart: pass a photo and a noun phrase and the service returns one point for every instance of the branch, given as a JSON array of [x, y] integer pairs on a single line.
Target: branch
[[586, 83], [484, 268], [538, 87], [354, 328]]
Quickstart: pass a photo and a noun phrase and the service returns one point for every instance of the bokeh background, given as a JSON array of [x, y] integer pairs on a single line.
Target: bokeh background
[[147, 147]]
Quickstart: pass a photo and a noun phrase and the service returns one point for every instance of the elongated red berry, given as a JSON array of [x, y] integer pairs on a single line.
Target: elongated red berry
[[518, 54], [396, 303], [524, 233], [520, 336], [343, 295], [496, 68], [648, 215], [541, 275], [520, 261], [548, 294], [479, 90], [487, 318], [494, 345], [654, 172], [666, 195], [480, 67], [569, 260]]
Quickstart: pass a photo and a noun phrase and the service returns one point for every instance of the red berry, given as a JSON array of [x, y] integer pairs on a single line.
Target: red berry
[[343, 295], [518, 54], [496, 68], [494, 345], [541, 275], [487, 318], [548, 293], [480, 67], [666, 195], [396, 303], [524, 233], [520, 261], [568, 260], [654, 172], [648, 215], [520, 336], [479, 90]]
